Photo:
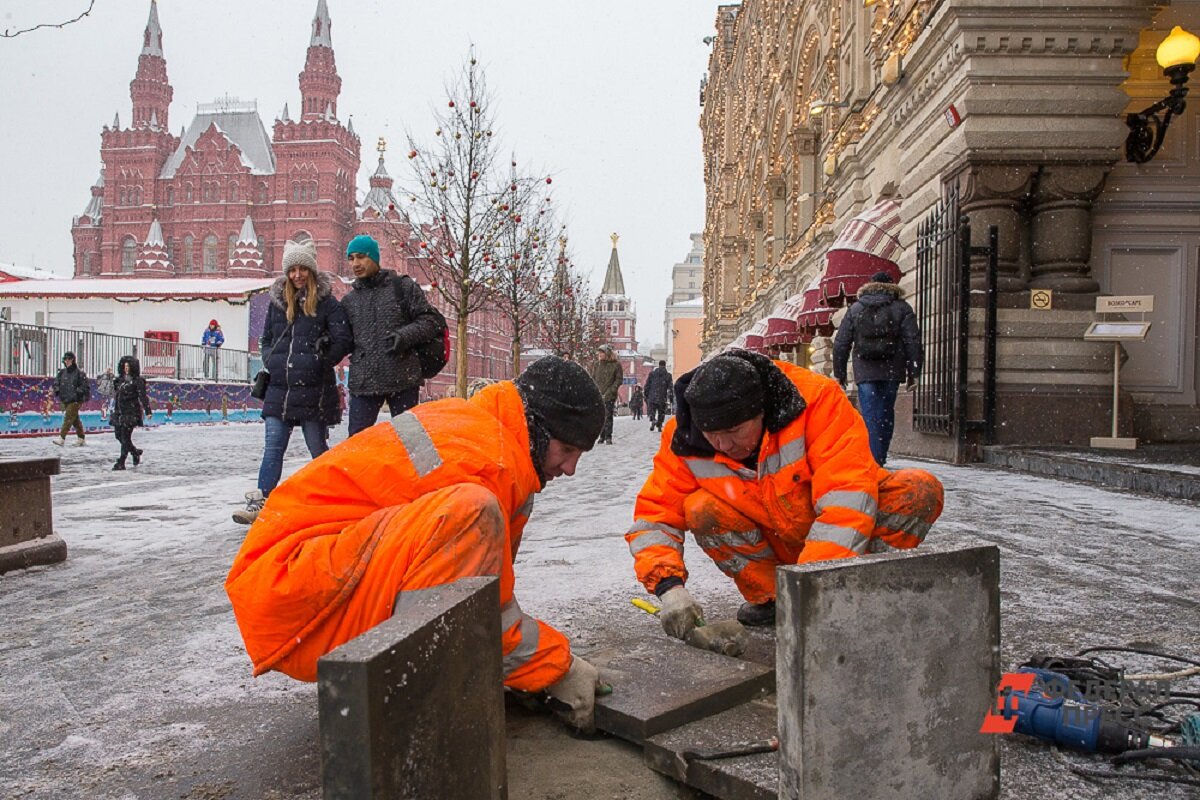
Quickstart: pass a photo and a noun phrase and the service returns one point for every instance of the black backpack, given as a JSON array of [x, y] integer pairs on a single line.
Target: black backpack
[[876, 333], [433, 354]]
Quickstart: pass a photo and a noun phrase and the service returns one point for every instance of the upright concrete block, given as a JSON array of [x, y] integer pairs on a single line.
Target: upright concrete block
[[886, 666], [414, 707], [26, 524]]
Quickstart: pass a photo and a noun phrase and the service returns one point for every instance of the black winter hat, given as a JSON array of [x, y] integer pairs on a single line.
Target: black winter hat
[[881, 277], [69, 355], [724, 392], [564, 399]]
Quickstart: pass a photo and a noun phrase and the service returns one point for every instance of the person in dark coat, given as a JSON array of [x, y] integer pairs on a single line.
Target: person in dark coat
[[129, 400], [607, 374], [882, 331], [658, 390], [389, 315], [72, 390], [304, 336], [636, 399]]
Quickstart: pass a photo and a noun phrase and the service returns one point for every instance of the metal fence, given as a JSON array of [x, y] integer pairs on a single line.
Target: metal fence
[[36, 351]]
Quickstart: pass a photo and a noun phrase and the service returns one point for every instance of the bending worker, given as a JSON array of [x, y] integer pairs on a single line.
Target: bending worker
[[440, 492], [766, 463]]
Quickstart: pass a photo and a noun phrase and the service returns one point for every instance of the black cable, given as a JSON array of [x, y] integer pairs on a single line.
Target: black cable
[[1095, 773], [1138, 651], [1170, 753]]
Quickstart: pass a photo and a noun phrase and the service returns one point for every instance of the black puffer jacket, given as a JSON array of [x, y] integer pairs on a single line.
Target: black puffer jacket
[[71, 385], [129, 395], [909, 356], [300, 356], [658, 385], [377, 306]]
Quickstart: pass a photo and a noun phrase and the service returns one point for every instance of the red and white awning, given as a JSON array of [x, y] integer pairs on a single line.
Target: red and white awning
[[869, 243]]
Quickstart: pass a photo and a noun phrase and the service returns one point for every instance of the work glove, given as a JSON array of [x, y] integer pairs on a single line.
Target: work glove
[[679, 612], [576, 695], [392, 340], [322, 344]]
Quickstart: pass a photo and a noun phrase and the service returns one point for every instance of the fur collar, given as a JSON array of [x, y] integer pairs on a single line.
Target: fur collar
[[324, 288], [881, 288], [783, 405]]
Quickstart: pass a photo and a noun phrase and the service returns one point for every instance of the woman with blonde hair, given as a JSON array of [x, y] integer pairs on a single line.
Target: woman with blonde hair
[[304, 337]]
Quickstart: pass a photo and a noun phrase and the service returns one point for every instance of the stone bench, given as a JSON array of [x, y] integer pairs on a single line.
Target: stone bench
[[414, 707], [26, 524]]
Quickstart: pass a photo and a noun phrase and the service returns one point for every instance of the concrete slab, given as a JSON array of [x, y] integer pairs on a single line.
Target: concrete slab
[[414, 707], [749, 777], [887, 665], [26, 522], [661, 683]]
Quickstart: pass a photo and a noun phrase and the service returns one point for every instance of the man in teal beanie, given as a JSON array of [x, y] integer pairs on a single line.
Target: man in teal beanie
[[389, 315]]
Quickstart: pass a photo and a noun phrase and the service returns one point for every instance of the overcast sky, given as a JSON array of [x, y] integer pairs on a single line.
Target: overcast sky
[[603, 95]]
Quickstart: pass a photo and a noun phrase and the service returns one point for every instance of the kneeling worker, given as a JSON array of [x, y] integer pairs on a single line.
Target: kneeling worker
[[440, 492], [766, 463]]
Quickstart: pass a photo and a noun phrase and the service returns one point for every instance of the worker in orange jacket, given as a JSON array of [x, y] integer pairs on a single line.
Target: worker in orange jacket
[[766, 463], [440, 492]]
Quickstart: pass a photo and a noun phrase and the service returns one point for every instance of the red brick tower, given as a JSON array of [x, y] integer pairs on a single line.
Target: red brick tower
[[316, 159], [150, 89]]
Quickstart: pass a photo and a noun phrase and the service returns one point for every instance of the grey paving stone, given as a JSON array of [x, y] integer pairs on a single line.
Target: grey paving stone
[[26, 522], [887, 665], [661, 683], [414, 707], [748, 777]]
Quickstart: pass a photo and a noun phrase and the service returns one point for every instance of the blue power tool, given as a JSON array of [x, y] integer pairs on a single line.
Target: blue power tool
[[1055, 711]]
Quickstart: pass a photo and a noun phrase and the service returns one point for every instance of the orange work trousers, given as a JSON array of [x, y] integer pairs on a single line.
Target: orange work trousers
[[455, 532], [910, 501]]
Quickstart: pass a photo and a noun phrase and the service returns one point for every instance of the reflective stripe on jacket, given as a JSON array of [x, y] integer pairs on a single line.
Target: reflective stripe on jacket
[[813, 495], [293, 582]]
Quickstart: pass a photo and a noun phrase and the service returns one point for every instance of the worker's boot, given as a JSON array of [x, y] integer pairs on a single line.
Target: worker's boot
[[756, 615]]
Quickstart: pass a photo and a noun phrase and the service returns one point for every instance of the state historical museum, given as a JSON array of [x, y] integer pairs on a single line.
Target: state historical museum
[[220, 198]]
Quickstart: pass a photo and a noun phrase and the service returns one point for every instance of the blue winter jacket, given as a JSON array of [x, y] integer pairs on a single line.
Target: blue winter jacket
[[212, 338], [300, 356]]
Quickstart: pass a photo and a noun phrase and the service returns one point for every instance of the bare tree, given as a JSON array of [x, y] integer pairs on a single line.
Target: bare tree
[[569, 323], [9, 33], [462, 202]]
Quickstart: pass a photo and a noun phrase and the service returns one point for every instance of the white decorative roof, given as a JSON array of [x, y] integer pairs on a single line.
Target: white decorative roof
[[248, 235], [321, 27], [32, 273], [240, 123], [181, 288], [152, 38], [155, 237]]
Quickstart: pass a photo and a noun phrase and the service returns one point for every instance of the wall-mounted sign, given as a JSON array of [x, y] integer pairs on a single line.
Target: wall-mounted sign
[[1041, 299], [952, 116], [1120, 303]]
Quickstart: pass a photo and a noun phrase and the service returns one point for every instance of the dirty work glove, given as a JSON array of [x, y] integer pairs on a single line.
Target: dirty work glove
[[679, 613], [577, 691], [392, 340]]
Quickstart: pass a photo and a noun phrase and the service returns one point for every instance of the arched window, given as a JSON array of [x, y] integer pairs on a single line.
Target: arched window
[[301, 236], [189, 245], [123, 198], [615, 328], [210, 253], [172, 251], [87, 263], [232, 244], [262, 192], [187, 193], [137, 195], [170, 195], [128, 254], [233, 192], [296, 191]]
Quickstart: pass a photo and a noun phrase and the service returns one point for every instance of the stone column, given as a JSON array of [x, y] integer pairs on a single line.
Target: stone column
[[1061, 229], [995, 194]]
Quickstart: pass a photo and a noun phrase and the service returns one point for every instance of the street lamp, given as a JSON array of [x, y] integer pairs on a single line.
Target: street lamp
[[1177, 56], [817, 107]]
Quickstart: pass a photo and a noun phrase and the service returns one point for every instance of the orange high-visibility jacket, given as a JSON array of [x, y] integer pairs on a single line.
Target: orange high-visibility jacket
[[293, 582], [813, 496]]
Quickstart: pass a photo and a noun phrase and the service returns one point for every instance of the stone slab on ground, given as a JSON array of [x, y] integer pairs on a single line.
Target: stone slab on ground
[[1135, 471], [661, 683], [26, 523], [414, 707], [887, 664], [748, 777]]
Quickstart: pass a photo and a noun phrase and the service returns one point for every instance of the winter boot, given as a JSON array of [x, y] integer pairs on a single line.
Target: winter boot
[[254, 504], [79, 441], [60, 441], [118, 466], [137, 457], [755, 615]]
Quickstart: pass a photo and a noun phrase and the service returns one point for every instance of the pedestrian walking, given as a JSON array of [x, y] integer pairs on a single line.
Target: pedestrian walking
[[104, 388], [211, 341], [766, 463], [72, 390], [635, 401], [882, 332], [658, 392], [305, 334], [608, 375], [389, 316], [442, 492], [129, 400]]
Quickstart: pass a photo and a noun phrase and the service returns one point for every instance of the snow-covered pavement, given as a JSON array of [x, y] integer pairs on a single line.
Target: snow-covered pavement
[[123, 675]]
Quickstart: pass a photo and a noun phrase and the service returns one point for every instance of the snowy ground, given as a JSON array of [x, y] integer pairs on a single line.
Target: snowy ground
[[123, 674]]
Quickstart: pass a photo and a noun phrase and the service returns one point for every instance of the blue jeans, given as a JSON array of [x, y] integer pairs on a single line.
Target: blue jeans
[[364, 408], [278, 434], [877, 404]]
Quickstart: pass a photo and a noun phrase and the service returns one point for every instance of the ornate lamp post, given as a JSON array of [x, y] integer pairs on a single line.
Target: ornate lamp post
[[1177, 56]]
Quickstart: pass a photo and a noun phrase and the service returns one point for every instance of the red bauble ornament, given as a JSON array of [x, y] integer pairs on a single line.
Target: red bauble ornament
[[474, 174], [391, 206], [549, 180], [472, 104], [517, 218], [424, 246], [434, 284], [412, 153], [450, 104]]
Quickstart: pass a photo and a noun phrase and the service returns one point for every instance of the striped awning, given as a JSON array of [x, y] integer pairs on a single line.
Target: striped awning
[[781, 323], [815, 318], [868, 244], [754, 336]]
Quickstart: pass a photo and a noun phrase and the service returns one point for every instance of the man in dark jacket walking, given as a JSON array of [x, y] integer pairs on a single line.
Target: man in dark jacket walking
[[607, 375], [389, 316], [658, 389], [71, 389], [882, 330]]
